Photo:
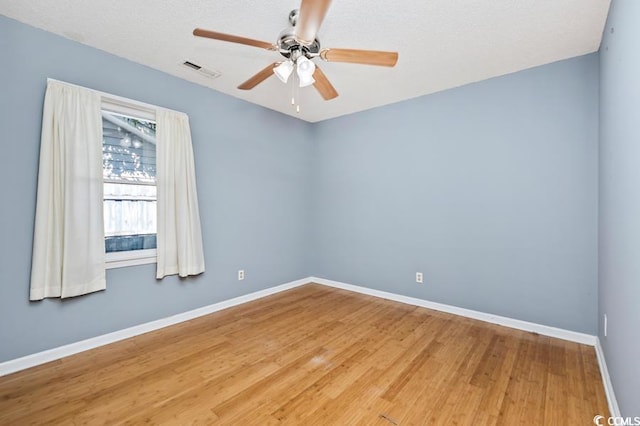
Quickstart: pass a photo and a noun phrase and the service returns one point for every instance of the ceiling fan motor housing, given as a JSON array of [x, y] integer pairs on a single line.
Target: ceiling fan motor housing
[[288, 43]]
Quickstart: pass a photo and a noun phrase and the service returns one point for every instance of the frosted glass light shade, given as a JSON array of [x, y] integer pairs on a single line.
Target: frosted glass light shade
[[305, 70], [283, 71]]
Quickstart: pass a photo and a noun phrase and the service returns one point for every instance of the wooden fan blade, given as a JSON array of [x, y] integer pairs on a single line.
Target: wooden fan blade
[[259, 77], [322, 85], [233, 39], [310, 19], [356, 56]]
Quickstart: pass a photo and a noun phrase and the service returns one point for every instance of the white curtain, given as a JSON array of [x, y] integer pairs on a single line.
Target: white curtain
[[179, 235], [68, 247]]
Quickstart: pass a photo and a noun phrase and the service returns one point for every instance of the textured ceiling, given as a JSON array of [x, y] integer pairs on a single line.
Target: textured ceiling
[[441, 43]]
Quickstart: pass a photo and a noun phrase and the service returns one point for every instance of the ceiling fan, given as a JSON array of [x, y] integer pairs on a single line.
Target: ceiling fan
[[299, 45]]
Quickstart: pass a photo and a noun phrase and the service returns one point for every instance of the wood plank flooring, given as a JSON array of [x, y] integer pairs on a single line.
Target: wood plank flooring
[[316, 355]]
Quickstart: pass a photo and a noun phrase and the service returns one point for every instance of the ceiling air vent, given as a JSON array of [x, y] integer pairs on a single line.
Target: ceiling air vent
[[204, 71]]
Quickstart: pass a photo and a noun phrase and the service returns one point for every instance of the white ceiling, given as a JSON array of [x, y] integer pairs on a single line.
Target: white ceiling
[[441, 43]]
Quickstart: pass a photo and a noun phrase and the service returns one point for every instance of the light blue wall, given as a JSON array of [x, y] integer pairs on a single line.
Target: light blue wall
[[619, 270], [489, 189], [252, 187]]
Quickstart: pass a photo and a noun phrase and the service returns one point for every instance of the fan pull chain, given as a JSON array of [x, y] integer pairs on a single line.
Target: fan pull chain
[[294, 92]]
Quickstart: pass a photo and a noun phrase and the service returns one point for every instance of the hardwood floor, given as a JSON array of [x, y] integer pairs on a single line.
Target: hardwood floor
[[316, 355]]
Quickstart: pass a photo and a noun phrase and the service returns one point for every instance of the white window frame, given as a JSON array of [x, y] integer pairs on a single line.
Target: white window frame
[[137, 109], [121, 259]]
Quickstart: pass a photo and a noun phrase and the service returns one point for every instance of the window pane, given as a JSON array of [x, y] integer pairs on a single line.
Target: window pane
[[128, 149]]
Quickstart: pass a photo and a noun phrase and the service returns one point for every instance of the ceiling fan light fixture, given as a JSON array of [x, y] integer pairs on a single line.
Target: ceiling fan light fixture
[[283, 71], [305, 69]]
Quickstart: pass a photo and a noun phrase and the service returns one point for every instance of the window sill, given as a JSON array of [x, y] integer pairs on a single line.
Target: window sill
[[130, 258]]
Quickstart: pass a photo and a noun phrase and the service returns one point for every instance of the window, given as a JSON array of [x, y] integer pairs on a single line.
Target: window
[[129, 174], [69, 248]]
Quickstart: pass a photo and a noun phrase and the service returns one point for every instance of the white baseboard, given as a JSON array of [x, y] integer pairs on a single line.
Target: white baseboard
[[545, 330], [28, 361], [606, 380]]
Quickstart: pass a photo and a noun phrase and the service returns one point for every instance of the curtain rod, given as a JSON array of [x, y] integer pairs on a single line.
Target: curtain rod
[[119, 99]]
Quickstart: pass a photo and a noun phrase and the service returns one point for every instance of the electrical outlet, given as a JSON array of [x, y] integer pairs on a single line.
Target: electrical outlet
[[419, 277], [605, 325], [241, 275]]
